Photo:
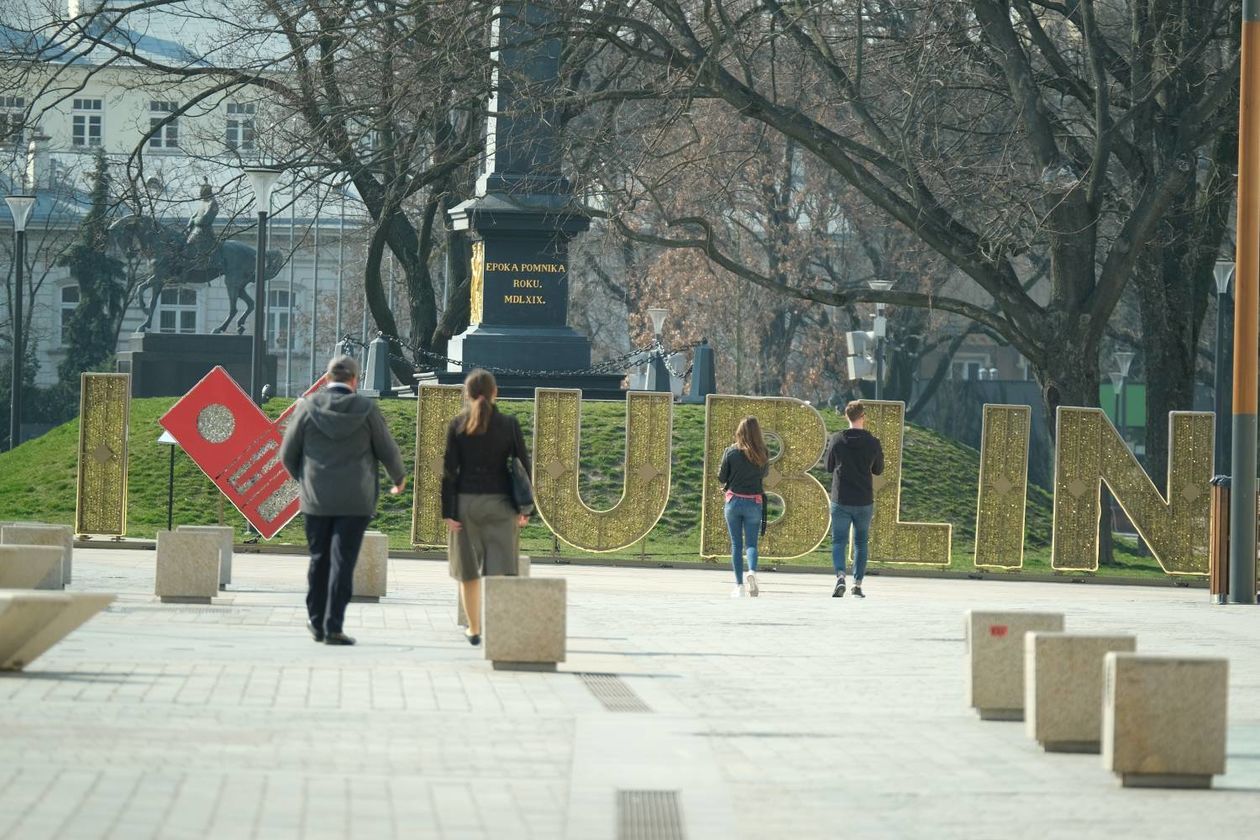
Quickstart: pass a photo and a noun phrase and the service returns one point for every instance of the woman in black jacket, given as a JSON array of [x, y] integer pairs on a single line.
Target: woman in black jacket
[[744, 467], [482, 522]]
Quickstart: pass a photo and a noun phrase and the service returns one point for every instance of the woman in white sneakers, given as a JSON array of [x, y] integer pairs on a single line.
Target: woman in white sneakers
[[744, 467]]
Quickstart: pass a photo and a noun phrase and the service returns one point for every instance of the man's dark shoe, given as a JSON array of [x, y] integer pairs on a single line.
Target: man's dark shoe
[[857, 591], [338, 639], [838, 592], [316, 633]]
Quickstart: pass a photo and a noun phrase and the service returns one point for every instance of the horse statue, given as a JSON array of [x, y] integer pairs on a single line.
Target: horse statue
[[176, 259]]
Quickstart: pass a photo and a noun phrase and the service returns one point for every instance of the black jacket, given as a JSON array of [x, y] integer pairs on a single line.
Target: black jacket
[[853, 456], [478, 463], [739, 475], [331, 447]]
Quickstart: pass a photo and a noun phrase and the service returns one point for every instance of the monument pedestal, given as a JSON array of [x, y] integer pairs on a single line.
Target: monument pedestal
[[546, 352], [520, 299], [170, 364]]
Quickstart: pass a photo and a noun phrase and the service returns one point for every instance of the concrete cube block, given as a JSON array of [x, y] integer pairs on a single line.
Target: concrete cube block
[[461, 617], [62, 536], [1063, 688], [30, 567], [32, 622], [227, 538], [995, 659], [525, 623], [371, 573], [1164, 719], [187, 567]]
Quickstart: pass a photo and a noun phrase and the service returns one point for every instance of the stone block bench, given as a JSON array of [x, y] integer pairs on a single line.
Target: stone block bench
[[32, 622], [461, 618], [226, 537], [371, 573], [1063, 688], [187, 567], [35, 533], [1164, 719], [30, 566], [525, 625], [995, 659]]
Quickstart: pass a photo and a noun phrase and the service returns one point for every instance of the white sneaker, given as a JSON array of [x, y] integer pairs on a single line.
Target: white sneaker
[[750, 580], [738, 591]]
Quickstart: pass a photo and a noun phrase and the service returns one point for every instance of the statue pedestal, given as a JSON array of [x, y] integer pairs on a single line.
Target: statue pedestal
[[518, 322], [169, 364]]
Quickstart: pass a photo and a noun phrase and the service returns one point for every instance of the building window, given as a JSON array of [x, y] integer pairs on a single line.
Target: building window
[[87, 122], [12, 109], [969, 367], [166, 137], [177, 312], [240, 127], [278, 316], [69, 303]]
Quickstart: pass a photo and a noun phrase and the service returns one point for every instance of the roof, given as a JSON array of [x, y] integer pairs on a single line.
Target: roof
[[55, 42]]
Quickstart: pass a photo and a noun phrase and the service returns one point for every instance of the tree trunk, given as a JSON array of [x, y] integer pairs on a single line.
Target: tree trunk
[[378, 305]]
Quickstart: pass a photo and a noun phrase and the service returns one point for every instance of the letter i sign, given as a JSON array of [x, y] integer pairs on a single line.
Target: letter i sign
[[238, 448]]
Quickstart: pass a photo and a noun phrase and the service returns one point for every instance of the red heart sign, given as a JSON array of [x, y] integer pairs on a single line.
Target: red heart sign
[[238, 448]]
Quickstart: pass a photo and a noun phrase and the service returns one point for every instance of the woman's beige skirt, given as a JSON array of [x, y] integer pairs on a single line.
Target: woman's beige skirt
[[489, 542]]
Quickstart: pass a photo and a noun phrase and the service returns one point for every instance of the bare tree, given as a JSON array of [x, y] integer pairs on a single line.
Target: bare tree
[[1002, 133]]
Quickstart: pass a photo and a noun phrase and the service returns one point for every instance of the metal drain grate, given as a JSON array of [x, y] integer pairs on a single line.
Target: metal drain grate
[[649, 815], [612, 691]]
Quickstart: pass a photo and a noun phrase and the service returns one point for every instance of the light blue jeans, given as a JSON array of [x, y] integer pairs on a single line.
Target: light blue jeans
[[743, 520], [844, 517]]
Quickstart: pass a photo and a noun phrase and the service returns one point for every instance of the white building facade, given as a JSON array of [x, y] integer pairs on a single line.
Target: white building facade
[[50, 133]]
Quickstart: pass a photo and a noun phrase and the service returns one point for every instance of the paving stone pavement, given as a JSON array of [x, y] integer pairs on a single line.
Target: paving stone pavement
[[793, 715]]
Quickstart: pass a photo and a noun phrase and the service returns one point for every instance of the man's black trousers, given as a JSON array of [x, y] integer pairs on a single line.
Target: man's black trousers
[[334, 543]]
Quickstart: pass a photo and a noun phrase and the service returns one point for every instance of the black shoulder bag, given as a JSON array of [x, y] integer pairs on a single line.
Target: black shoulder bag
[[522, 487]]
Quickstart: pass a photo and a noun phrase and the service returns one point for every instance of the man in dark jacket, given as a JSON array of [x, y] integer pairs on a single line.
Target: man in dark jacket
[[331, 448], [853, 457]]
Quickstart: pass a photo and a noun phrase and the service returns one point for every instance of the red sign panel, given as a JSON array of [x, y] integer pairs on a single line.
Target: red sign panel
[[998, 629], [238, 448]]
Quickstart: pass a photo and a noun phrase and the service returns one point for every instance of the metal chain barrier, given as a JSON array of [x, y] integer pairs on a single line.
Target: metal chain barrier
[[609, 366]]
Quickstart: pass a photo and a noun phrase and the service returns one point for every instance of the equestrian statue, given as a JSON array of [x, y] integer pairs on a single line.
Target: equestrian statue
[[192, 256]]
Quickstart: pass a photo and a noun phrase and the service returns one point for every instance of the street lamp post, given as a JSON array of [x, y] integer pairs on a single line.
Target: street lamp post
[[20, 207], [658, 374], [1224, 272], [1124, 361], [1242, 471], [263, 180], [881, 332], [1117, 382]]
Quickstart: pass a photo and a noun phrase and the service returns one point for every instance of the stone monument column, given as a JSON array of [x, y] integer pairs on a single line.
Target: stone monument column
[[521, 221]]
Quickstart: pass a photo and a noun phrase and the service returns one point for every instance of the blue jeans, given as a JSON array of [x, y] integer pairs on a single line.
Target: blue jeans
[[857, 517], [743, 520]]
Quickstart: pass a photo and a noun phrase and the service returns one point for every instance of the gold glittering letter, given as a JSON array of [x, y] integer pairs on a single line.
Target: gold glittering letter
[[894, 541], [1090, 451], [557, 431], [1002, 498], [104, 409], [436, 406], [477, 283], [799, 430]]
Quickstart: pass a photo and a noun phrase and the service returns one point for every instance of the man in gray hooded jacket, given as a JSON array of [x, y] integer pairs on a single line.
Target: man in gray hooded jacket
[[331, 448]]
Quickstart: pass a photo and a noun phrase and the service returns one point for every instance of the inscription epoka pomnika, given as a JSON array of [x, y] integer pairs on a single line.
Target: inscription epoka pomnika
[[525, 284]]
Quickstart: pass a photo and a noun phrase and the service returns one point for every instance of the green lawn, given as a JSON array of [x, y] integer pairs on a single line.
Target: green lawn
[[37, 481]]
